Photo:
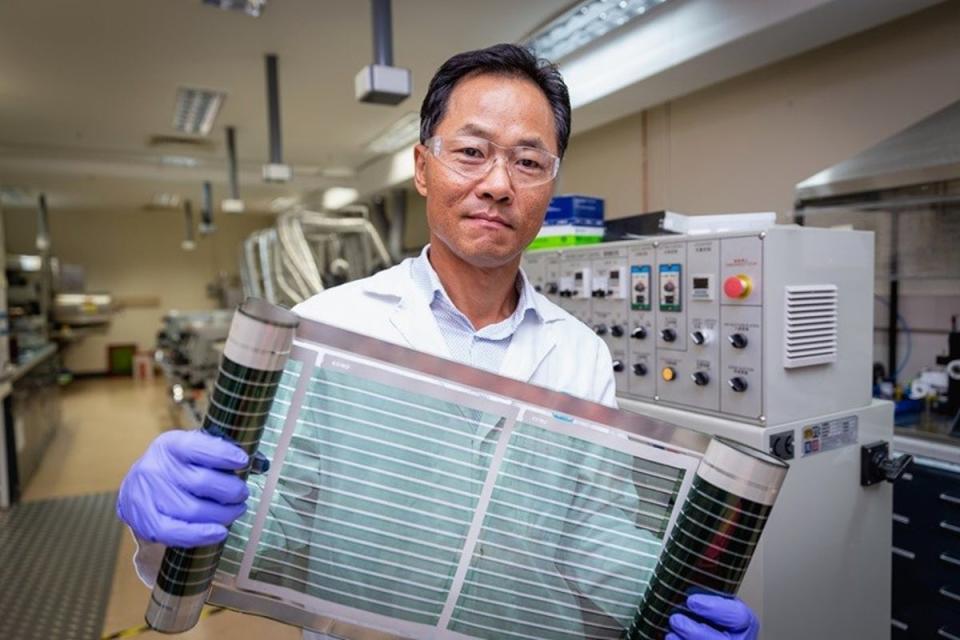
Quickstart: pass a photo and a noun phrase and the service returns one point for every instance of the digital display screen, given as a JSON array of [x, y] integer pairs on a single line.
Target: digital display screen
[[701, 283]]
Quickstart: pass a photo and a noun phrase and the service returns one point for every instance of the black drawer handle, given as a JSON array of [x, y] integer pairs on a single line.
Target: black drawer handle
[[943, 633], [950, 559], [949, 527], [903, 553], [946, 593], [946, 497]]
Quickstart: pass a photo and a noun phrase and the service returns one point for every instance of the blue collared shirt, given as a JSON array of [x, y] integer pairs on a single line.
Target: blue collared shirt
[[483, 349]]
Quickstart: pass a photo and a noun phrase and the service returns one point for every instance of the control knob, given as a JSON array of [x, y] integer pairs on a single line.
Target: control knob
[[738, 384], [668, 335], [618, 366], [600, 329], [738, 340], [639, 333], [700, 336], [639, 369], [700, 378], [616, 331]]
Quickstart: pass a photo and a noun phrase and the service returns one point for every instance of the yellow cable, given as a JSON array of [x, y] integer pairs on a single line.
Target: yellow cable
[[143, 628]]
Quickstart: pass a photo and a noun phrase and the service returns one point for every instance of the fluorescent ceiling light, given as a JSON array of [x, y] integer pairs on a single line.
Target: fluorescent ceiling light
[[584, 23], [166, 201], [250, 7], [400, 134], [196, 109], [179, 161], [337, 197]]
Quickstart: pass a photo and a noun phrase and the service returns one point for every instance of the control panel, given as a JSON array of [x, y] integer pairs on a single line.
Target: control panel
[[699, 321]]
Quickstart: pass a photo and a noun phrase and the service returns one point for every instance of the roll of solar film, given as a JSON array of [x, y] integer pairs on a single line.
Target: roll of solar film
[[256, 351], [715, 535]]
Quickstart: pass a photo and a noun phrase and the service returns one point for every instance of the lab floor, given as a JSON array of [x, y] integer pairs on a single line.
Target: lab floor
[[107, 423]]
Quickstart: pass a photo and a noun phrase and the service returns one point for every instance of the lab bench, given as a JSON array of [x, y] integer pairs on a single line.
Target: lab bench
[[31, 418]]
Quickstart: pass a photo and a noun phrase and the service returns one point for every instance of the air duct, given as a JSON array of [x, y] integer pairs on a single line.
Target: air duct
[[233, 204], [188, 243], [381, 82], [275, 171], [206, 212], [43, 225]]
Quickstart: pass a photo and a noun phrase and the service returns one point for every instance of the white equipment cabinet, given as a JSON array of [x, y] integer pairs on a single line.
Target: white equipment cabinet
[[766, 338]]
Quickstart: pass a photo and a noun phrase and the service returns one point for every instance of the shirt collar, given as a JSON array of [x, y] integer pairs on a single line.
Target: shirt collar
[[428, 284]]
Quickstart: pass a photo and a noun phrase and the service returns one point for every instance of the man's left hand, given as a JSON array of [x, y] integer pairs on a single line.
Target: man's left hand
[[729, 618]]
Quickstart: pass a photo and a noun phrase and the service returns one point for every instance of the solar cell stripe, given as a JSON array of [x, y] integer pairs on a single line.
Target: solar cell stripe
[[663, 514], [384, 503], [519, 435], [327, 534], [368, 514], [378, 575], [392, 460], [513, 595], [560, 504], [512, 576], [351, 596], [405, 403], [638, 539], [425, 439], [412, 450], [599, 473]]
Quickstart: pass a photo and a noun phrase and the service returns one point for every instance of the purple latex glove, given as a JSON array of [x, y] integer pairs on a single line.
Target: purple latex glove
[[729, 618], [182, 491]]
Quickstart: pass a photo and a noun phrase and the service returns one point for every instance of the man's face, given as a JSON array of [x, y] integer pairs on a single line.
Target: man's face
[[488, 221]]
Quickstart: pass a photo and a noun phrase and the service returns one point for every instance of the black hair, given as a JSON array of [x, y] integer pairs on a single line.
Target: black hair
[[504, 59]]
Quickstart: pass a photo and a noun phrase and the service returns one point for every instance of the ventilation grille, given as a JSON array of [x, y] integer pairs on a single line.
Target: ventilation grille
[[810, 334]]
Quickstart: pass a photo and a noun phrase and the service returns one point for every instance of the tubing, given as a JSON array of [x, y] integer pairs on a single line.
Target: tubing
[[256, 351]]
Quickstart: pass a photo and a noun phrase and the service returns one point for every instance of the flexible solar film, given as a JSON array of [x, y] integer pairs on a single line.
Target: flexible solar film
[[255, 353], [413, 497]]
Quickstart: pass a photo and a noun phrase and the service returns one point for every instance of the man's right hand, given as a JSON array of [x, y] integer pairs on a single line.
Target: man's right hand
[[183, 491]]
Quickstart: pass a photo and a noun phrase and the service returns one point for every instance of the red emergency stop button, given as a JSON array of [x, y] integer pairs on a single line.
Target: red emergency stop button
[[738, 286]]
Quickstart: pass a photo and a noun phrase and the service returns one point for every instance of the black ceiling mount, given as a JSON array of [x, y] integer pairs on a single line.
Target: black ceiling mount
[[275, 170], [233, 204]]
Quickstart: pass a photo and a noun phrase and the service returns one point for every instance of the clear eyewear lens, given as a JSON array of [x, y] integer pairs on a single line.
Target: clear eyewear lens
[[475, 157]]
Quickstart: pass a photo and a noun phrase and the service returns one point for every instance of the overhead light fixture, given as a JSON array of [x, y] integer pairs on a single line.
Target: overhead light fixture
[[15, 197], [338, 197], [250, 7], [337, 172], [196, 109], [165, 201], [400, 134], [381, 82], [584, 23], [179, 161]]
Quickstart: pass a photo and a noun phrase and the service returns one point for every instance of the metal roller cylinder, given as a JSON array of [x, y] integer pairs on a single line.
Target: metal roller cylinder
[[715, 535], [255, 354]]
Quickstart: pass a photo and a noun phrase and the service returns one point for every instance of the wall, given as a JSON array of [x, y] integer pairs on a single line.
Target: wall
[[743, 144], [134, 254]]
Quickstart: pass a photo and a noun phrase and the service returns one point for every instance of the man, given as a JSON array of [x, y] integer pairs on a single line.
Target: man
[[494, 126]]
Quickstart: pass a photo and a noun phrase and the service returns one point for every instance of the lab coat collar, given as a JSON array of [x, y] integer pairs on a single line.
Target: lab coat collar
[[413, 318]]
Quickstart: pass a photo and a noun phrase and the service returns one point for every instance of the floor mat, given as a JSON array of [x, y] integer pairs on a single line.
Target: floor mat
[[57, 560]]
